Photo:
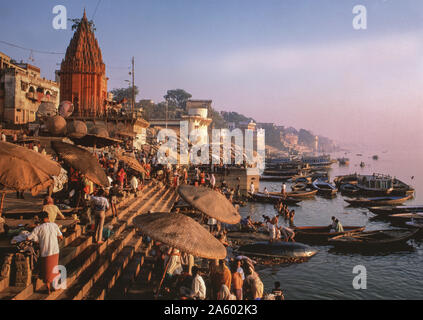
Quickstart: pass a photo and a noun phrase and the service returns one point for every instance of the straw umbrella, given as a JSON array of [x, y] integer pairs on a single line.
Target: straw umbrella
[[212, 203], [131, 162], [24, 169], [82, 160], [94, 141], [180, 232]]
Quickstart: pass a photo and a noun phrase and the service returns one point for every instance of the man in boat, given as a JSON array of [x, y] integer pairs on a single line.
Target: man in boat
[[266, 192], [339, 227]]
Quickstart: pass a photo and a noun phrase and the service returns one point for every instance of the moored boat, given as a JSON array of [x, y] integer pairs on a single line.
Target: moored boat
[[299, 186], [261, 197], [406, 216], [278, 249], [396, 209], [373, 238], [349, 189], [296, 194], [377, 201], [321, 233], [324, 188]]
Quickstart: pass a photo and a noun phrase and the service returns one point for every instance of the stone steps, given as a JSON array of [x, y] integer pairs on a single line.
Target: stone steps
[[96, 271]]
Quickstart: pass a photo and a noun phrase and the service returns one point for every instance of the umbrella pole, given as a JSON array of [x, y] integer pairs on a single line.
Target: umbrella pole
[[164, 274], [3, 194]]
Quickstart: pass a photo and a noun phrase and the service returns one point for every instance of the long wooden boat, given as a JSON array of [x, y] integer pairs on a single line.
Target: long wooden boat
[[324, 188], [406, 216], [396, 209], [350, 189], [261, 197], [377, 201], [322, 233], [275, 178], [297, 194], [277, 249], [373, 238]]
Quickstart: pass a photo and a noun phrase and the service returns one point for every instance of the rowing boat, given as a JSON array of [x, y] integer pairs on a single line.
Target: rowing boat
[[396, 209], [297, 194], [373, 238], [278, 249], [324, 188], [376, 201], [322, 233], [261, 197]]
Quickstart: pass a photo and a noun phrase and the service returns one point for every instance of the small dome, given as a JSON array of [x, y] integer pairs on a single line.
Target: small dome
[[100, 131], [66, 109], [76, 129], [56, 125]]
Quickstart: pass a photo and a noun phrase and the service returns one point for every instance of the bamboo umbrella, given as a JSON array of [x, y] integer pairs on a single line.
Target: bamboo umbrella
[[81, 160], [93, 140], [180, 232], [131, 162], [24, 169], [210, 202]]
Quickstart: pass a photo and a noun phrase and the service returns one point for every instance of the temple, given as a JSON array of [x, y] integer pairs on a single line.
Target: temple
[[82, 74]]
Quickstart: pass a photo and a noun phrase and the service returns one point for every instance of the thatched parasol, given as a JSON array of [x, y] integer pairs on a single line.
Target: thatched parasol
[[24, 169], [210, 202], [81, 160], [93, 140], [181, 232], [131, 162]]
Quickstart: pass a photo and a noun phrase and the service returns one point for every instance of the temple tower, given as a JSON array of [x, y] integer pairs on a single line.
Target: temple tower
[[83, 73]]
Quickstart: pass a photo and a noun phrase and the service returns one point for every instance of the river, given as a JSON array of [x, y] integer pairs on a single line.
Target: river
[[391, 274]]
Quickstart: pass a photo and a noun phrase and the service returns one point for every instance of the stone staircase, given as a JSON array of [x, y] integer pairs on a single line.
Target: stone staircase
[[94, 270]]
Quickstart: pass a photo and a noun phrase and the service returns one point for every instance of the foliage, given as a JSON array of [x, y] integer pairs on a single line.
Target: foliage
[[177, 98]]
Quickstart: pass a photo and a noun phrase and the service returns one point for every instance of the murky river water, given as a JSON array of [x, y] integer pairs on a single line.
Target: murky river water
[[391, 274]]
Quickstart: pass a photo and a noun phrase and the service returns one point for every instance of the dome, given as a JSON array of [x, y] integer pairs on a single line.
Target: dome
[[76, 129], [56, 125]]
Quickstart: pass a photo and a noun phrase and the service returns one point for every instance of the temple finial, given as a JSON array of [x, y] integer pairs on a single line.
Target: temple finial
[[85, 15]]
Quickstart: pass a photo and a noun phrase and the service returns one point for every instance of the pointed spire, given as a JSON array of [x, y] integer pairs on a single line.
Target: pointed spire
[[85, 15]]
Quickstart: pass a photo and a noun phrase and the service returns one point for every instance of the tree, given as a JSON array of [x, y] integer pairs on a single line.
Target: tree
[[177, 98], [76, 22], [120, 94]]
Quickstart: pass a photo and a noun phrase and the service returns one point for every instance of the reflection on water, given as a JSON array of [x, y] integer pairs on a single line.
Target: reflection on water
[[392, 273]]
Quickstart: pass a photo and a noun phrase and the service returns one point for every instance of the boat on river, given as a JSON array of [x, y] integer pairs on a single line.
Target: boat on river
[[262, 197], [277, 249], [321, 233], [349, 189], [324, 188], [396, 209], [377, 201], [297, 194], [406, 216], [373, 238]]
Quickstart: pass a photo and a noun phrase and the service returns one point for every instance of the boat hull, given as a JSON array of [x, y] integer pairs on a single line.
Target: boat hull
[[279, 249]]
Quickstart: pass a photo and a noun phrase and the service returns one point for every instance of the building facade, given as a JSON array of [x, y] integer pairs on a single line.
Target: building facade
[[22, 90], [82, 73]]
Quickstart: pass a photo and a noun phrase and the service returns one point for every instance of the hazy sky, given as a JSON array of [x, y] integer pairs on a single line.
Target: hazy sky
[[296, 63]]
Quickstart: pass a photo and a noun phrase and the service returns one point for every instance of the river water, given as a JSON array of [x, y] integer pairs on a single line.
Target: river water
[[391, 274]]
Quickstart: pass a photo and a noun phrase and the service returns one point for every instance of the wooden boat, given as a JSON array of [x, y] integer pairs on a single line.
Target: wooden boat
[[261, 197], [324, 188], [397, 209], [350, 178], [275, 178], [348, 188], [375, 157], [377, 201], [321, 233], [296, 194], [373, 238], [362, 164], [278, 249], [406, 216]]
